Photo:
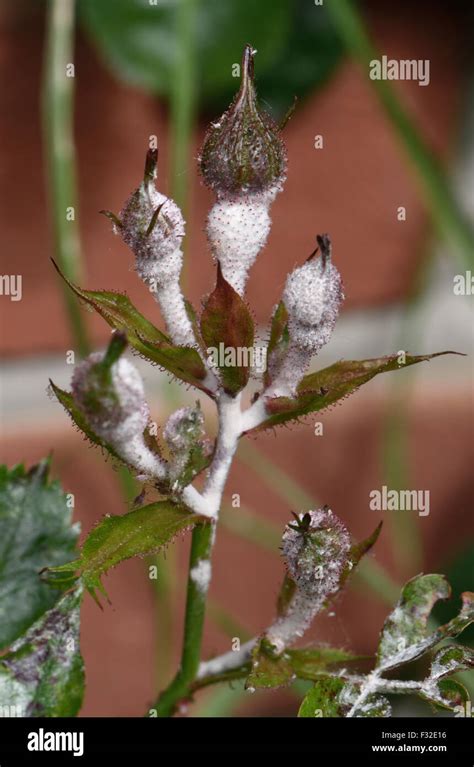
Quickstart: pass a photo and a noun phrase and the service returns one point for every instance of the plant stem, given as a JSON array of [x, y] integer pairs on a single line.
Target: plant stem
[[443, 207], [201, 547], [57, 108]]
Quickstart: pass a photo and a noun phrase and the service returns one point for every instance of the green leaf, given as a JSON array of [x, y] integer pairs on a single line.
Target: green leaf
[[357, 551], [35, 531], [226, 324], [67, 401], [323, 699], [325, 387], [278, 341], [119, 312], [404, 636], [114, 539], [140, 44], [268, 671], [309, 662], [43, 673]]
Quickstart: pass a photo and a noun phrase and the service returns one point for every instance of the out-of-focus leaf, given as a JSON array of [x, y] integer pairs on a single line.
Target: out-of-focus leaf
[[43, 674], [227, 327], [357, 551], [139, 42], [35, 531], [404, 635], [114, 539], [119, 312], [460, 574], [325, 387], [309, 662]]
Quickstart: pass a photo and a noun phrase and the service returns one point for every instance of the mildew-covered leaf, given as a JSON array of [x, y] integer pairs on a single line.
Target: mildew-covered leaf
[[404, 634], [35, 531], [114, 539], [43, 674], [336, 697], [449, 694]]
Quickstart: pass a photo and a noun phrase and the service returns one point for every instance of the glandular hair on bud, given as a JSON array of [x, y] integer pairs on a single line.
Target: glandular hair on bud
[[312, 297], [243, 151], [115, 408], [153, 227]]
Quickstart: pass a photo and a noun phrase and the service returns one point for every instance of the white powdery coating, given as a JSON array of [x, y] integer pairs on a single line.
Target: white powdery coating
[[316, 558], [201, 575], [120, 420], [183, 427], [158, 255], [312, 297], [237, 228]]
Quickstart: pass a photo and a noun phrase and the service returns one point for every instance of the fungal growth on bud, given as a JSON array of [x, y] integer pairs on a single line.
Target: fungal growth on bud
[[243, 160], [184, 435], [152, 226], [312, 297], [316, 549], [108, 390]]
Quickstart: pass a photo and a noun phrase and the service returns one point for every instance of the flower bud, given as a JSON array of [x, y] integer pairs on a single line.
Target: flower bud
[[108, 389], [312, 296], [316, 549], [152, 226], [183, 428], [243, 151]]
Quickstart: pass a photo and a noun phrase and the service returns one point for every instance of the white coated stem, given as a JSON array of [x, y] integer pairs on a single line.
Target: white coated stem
[[173, 308]]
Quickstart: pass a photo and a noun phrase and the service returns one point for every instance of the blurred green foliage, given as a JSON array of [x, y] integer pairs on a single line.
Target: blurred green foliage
[[297, 46]]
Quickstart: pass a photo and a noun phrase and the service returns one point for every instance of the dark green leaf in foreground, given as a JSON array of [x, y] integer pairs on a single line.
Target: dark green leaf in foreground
[[227, 327], [119, 312], [325, 387], [43, 673], [35, 531], [114, 539]]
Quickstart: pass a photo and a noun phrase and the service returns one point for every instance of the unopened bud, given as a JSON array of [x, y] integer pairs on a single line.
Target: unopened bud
[[312, 297], [152, 226], [243, 151]]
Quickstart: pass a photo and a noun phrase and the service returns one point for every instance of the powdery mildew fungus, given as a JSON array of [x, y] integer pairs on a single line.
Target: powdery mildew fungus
[[243, 160], [316, 558], [201, 574], [312, 297], [120, 413]]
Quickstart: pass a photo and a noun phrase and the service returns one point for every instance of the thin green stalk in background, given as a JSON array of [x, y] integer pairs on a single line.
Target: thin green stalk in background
[[446, 214], [183, 100], [57, 103]]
